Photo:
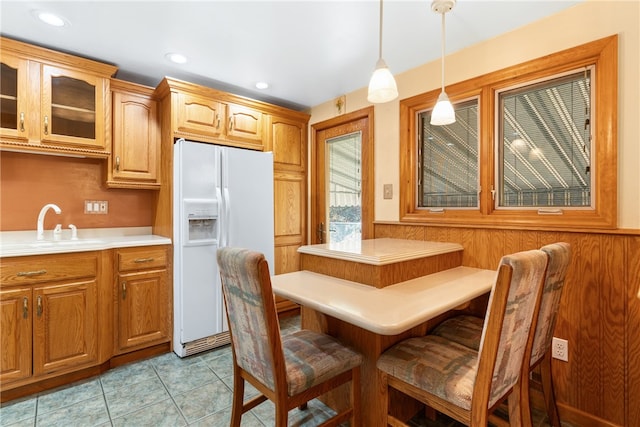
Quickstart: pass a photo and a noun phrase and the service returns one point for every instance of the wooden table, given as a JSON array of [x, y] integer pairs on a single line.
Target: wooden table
[[372, 319]]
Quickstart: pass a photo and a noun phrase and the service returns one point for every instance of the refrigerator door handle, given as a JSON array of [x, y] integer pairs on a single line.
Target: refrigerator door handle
[[227, 215], [222, 219]]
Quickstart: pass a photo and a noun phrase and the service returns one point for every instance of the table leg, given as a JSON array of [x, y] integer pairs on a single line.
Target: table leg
[[371, 345]]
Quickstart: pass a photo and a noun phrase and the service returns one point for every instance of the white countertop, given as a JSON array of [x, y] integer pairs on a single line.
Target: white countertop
[[390, 310], [380, 251], [24, 243]]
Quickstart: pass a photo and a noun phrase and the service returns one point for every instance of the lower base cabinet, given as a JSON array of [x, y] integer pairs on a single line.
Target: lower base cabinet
[[68, 315], [15, 334], [65, 326], [49, 316], [143, 305]]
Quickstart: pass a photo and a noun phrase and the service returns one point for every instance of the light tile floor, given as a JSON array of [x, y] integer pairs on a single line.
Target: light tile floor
[[165, 391]]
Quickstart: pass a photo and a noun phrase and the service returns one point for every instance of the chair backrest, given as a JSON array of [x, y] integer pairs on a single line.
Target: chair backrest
[[251, 311], [505, 335], [559, 258]]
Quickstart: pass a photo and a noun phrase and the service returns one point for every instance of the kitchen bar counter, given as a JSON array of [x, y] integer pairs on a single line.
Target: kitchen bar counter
[[380, 251], [388, 311], [24, 243], [380, 262]]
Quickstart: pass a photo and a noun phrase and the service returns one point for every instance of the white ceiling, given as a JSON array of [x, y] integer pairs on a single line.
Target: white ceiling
[[308, 51]]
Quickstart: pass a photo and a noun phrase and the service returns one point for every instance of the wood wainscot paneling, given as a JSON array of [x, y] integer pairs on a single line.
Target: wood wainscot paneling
[[632, 261], [599, 313]]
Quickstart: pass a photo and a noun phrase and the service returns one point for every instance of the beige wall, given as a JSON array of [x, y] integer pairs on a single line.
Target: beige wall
[[577, 25]]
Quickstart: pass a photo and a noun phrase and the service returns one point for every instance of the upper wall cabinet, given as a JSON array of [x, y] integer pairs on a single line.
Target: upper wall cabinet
[[288, 141], [208, 115], [135, 156], [53, 102], [199, 115]]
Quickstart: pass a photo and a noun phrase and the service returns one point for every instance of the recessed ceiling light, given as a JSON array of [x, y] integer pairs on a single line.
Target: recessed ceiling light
[[262, 85], [50, 18], [176, 58]]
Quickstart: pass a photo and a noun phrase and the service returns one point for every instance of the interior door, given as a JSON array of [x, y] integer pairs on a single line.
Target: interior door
[[342, 178]]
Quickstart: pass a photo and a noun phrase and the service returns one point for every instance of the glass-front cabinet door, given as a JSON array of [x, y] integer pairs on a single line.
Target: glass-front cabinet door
[[13, 102], [72, 110], [52, 102]]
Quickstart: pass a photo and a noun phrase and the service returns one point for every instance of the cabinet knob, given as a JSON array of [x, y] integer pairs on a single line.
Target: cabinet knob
[[231, 123], [124, 290], [39, 309], [22, 122], [217, 121], [117, 163], [46, 125], [25, 308]]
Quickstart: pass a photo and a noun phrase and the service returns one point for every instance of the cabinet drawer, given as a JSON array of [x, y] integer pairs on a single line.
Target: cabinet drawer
[[145, 258], [50, 268]]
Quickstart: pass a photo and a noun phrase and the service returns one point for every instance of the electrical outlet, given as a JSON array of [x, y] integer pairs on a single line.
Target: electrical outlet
[[560, 349]]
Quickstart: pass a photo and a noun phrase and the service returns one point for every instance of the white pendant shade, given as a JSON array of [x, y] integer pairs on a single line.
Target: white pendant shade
[[443, 113], [382, 86]]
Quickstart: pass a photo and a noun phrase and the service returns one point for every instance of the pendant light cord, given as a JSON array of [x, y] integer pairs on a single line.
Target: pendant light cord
[[443, 42], [380, 44]]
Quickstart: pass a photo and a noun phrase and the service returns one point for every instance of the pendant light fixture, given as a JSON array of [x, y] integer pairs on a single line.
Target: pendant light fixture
[[443, 113], [382, 86]]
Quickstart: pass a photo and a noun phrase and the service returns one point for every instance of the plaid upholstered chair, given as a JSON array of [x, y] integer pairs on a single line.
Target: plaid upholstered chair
[[289, 370], [467, 330], [464, 383]]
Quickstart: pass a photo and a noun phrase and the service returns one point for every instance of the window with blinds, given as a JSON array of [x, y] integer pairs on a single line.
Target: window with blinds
[[544, 143], [345, 187], [448, 160]]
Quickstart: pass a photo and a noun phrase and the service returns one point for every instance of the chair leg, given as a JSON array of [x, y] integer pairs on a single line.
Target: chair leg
[[282, 415], [304, 406], [524, 402], [355, 396], [516, 416], [238, 397], [547, 390]]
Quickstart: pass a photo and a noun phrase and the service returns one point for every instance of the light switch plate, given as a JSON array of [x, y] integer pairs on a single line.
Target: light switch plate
[[93, 207], [388, 191]]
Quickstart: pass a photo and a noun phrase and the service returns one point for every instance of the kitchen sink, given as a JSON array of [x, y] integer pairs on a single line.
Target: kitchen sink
[[49, 243]]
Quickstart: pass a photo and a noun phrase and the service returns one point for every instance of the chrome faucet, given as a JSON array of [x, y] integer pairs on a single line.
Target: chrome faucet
[[43, 212]]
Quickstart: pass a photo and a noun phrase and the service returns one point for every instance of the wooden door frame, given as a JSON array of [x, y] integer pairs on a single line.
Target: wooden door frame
[[368, 175]]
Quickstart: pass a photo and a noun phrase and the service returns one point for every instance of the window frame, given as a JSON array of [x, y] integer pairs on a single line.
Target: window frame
[[602, 53]]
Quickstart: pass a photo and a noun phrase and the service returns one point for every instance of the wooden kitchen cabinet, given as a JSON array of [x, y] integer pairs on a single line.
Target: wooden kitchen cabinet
[[65, 325], [244, 124], [54, 102], [204, 114], [135, 154], [13, 97], [49, 315], [199, 115], [143, 307], [287, 140], [15, 335]]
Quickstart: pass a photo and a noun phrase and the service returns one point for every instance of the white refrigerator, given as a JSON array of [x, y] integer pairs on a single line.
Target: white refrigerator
[[223, 196]]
